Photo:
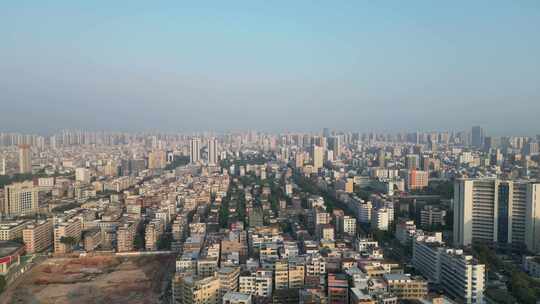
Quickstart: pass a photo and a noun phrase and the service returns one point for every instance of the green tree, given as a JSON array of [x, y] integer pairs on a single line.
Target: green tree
[[3, 283], [68, 240]]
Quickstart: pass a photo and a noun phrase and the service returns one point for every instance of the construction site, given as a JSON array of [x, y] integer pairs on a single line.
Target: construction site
[[98, 279]]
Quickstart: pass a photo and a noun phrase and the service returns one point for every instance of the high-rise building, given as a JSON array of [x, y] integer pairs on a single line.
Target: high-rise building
[[335, 146], [21, 198], [25, 159], [326, 132], [380, 219], [38, 236], [157, 159], [3, 165], [532, 221], [195, 150], [477, 137], [318, 157], [500, 211], [82, 175], [125, 237], [462, 277], [413, 161], [459, 275], [212, 151], [417, 179]]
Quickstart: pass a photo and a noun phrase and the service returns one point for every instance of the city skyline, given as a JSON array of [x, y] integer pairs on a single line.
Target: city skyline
[[354, 66]]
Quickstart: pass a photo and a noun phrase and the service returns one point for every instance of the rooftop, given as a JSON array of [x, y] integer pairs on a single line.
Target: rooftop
[[8, 248]]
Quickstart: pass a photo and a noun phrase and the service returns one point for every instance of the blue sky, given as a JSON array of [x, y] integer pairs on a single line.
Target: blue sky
[[270, 65]]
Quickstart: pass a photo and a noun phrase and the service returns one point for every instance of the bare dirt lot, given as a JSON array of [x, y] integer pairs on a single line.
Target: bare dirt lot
[[93, 280]]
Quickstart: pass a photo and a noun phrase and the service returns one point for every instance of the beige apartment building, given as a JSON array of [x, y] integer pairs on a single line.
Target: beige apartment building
[[21, 198], [125, 236], [38, 236], [12, 230], [190, 289], [71, 228]]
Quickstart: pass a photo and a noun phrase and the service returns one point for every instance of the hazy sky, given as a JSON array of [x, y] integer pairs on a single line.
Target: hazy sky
[[270, 65]]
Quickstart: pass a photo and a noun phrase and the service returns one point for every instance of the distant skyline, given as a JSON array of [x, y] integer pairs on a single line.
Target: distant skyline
[[270, 66]]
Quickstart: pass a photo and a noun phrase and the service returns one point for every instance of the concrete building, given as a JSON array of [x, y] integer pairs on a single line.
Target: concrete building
[[92, 238], [195, 150], [318, 157], [405, 231], [497, 211], [82, 175], [21, 198], [232, 297], [38, 236], [532, 218], [157, 159], [417, 180], [432, 216], [406, 287], [348, 225], [212, 152], [228, 280], [364, 212], [477, 136], [459, 275], [152, 233], [380, 219], [66, 235], [10, 255], [12, 230], [125, 237], [3, 165], [258, 284], [338, 288], [25, 159], [462, 277], [426, 258], [190, 289], [531, 265]]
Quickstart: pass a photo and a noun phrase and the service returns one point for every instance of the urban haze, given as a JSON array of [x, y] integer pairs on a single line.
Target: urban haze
[[257, 152]]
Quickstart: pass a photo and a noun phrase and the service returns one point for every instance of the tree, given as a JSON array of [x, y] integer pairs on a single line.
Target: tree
[[3, 283], [68, 240]]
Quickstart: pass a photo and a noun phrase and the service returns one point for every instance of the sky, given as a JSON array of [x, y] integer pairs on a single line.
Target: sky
[[270, 65]]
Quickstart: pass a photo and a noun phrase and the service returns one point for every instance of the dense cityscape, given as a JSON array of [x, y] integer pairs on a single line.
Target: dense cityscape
[[255, 217]]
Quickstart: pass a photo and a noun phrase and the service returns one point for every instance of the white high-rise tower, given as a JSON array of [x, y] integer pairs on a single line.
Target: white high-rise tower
[[195, 150], [212, 151]]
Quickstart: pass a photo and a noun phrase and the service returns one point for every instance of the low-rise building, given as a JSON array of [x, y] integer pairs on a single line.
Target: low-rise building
[[406, 287]]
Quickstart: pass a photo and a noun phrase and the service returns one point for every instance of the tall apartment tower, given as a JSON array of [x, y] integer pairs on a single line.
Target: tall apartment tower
[[21, 198], [477, 136], [3, 165], [195, 150], [532, 223], [25, 159], [318, 157], [498, 211], [335, 146], [212, 151]]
